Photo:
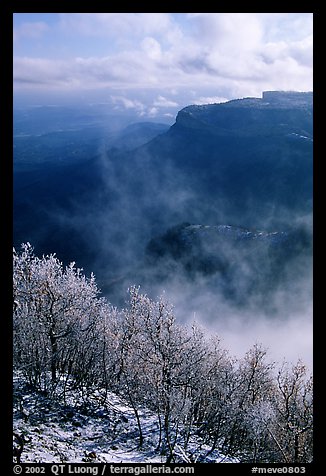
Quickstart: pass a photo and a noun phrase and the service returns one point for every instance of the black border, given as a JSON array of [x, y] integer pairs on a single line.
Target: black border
[[6, 200]]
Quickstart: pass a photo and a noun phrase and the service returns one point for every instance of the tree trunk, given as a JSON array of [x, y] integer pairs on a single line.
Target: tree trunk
[[296, 448], [134, 407], [54, 352]]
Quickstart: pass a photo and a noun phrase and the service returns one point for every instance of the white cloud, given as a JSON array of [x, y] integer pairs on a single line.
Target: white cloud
[[229, 33], [44, 72], [125, 27], [153, 111], [141, 109], [301, 51], [152, 48], [127, 103], [161, 101], [220, 55]]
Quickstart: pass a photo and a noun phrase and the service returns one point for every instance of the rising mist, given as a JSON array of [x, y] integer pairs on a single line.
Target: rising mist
[[104, 209]]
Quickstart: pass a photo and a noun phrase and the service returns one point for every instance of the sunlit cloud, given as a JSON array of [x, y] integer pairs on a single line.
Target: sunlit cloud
[[128, 103], [225, 55], [161, 101]]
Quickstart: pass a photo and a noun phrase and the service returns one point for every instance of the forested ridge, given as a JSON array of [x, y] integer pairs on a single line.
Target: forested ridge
[[68, 338]]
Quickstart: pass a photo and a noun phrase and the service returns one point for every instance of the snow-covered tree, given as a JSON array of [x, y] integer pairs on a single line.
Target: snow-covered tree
[[55, 312], [254, 387], [294, 410], [214, 396], [159, 365], [67, 337]]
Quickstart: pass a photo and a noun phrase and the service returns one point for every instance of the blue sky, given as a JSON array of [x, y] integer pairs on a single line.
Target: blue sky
[[156, 63]]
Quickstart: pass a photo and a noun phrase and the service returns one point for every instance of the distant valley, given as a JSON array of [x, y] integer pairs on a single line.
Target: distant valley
[[233, 182]]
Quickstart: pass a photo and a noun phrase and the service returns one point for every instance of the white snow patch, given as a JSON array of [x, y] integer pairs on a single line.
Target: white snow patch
[[66, 432]]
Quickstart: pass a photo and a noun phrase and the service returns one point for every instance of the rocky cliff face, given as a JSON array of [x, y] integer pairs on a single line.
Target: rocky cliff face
[[276, 113], [245, 161], [288, 99]]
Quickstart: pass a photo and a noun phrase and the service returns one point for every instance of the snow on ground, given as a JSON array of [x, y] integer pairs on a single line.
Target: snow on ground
[[72, 432]]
